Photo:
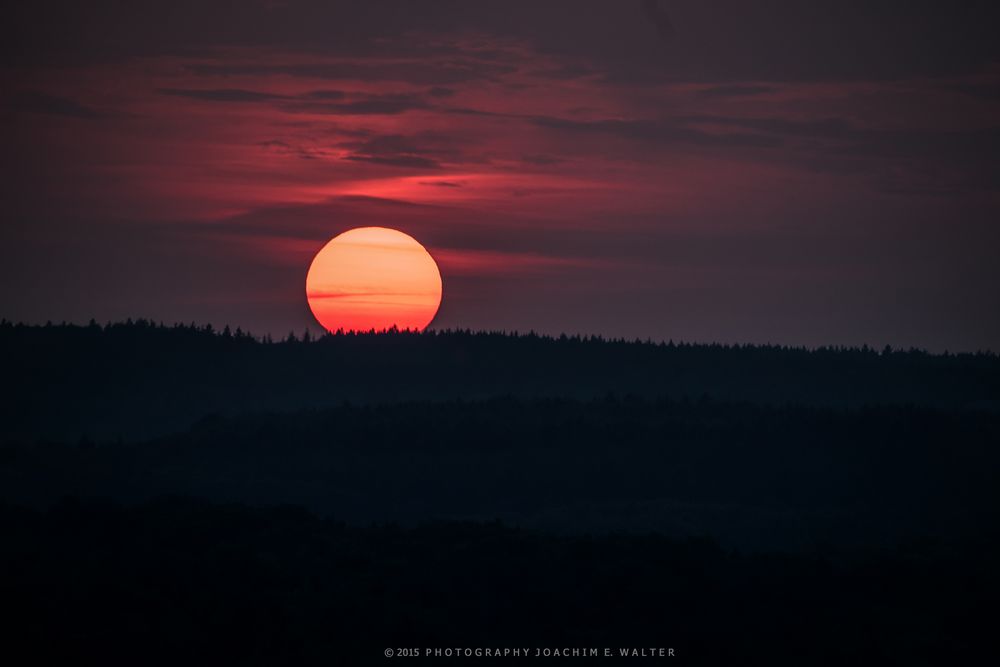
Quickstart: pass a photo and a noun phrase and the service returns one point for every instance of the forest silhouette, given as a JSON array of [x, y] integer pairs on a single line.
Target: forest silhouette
[[168, 492], [139, 379]]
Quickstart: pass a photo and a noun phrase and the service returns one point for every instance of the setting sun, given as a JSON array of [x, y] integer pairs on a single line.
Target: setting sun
[[373, 278]]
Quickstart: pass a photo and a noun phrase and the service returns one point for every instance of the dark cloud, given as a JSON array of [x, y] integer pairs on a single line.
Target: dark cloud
[[469, 111], [972, 146], [443, 184], [392, 151], [425, 150], [325, 95], [320, 221], [383, 104], [409, 161], [572, 70], [735, 91], [299, 150], [441, 91], [37, 102], [924, 160], [438, 75], [966, 159], [818, 127], [541, 160], [388, 104], [663, 131], [222, 94], [317, 101]]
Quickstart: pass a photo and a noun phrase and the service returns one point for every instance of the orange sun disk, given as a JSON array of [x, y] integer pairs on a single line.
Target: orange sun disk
[[373, 278]]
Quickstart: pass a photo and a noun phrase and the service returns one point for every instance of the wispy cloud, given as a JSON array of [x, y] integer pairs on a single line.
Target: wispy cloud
[[33, 101], [222, 94]]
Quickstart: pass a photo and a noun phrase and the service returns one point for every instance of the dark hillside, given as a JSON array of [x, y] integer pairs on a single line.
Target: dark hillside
[[749, 475], [139, 380], [181, 581], [172, 494]]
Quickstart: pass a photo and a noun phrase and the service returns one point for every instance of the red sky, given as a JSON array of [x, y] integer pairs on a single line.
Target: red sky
[[693, 171]]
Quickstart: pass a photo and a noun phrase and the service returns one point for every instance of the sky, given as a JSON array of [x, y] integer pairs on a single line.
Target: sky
[[822, 173]]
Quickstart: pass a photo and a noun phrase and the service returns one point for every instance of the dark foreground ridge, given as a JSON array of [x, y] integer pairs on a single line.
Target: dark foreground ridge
[[755, 477], [185, 582], [139, 379]]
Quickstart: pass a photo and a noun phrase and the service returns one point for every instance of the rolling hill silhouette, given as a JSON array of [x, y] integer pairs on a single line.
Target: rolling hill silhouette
[[141, 380], [169, 490]]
